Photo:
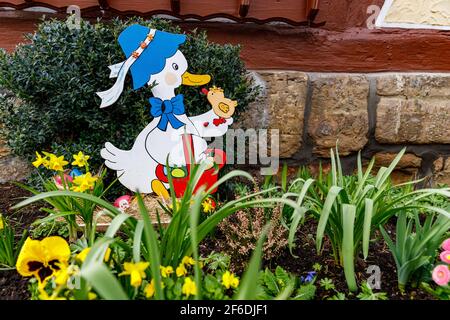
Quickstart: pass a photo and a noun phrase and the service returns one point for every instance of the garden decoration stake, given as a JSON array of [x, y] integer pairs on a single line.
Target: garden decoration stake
[[172, 138]]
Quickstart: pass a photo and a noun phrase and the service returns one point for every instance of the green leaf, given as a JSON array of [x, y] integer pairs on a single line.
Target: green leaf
[[368, 212], [348, 218]]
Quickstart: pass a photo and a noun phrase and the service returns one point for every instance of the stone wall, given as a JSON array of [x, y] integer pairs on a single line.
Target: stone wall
[[378, 114]]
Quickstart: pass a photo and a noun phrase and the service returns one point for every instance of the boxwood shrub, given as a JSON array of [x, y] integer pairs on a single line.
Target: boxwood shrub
[[56, 75]]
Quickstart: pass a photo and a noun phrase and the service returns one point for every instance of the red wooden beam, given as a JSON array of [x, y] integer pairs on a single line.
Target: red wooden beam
[[175, 6], [104, 5], [244, 6]]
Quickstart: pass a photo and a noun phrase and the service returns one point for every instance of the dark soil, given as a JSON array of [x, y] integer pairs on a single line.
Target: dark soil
[[305, 250], [12, 285]]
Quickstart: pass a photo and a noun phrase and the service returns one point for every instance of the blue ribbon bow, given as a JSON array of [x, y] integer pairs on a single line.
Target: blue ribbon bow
[[172, 106]]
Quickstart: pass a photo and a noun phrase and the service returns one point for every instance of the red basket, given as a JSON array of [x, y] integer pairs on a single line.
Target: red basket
[[208, 178]]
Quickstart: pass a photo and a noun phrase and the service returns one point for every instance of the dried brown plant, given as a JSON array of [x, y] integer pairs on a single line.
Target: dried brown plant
[[242, 230]]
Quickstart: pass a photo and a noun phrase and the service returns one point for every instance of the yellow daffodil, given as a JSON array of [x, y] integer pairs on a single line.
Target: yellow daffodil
[[2, 223], [189, 287], [40, 161], [230, 280], [56, 163], [83, 254], [44, 258], [166, 271], [136, 271], [188, 260], [80, 159], [83, 182], [208, 205], [149, 290], [181, 270]]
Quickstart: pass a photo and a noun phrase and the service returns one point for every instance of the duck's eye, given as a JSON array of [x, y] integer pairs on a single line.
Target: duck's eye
[[174, 66]]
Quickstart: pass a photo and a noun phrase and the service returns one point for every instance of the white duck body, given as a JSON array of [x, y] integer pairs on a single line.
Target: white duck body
[[136, 167]]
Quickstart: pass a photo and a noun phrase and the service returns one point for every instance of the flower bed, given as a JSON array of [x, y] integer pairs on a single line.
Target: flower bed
[[189, 257]]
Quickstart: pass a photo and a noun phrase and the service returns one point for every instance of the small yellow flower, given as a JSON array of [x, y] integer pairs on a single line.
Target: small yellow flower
[[83, 254], [40, 161], [2, 224], [83, 182], [150, 289], [230, 280], [181, 270], [136, 271], [92, 296], [188, 260], [208, 206], [56, 163], [189, 287], [80, 159], [166, 271]]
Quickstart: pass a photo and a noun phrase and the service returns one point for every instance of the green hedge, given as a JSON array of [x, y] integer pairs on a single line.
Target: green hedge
[[57, 75]]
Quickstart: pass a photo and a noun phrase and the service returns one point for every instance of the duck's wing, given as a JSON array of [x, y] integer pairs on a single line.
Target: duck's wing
[[135, 168]]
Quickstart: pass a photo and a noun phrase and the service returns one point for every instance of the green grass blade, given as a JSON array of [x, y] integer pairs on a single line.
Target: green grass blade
[[151, 243], [103, 281], [324, 214], [137, 241], [368, 212], [348, 218]]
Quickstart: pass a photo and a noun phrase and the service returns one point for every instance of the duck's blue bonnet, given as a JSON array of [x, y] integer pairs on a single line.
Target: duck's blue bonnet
[[153, 59]]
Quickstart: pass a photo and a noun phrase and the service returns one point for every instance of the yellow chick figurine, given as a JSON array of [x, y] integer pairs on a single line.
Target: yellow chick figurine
[[223, 107]]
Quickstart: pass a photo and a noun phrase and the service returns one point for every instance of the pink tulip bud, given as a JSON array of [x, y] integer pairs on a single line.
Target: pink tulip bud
[[67, 179], [441, 275]]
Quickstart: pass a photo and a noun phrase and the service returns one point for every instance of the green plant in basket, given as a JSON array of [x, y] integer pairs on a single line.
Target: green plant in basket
[[160, 263], [66, 207], [415, 245], [9, 247], [350, 208]]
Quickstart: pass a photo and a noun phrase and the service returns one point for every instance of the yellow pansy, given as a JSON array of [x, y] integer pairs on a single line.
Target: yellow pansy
[[40, 161], [83, 182], [83, 254], [166, 271], [189, 287], [181, 270], [230, 280], [188, 260], [136, 271], [56, 163], [80, 159], [62, 276], [44, 258]]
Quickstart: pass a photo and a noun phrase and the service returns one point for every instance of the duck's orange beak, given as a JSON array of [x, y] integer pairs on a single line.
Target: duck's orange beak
[[190, 79]]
